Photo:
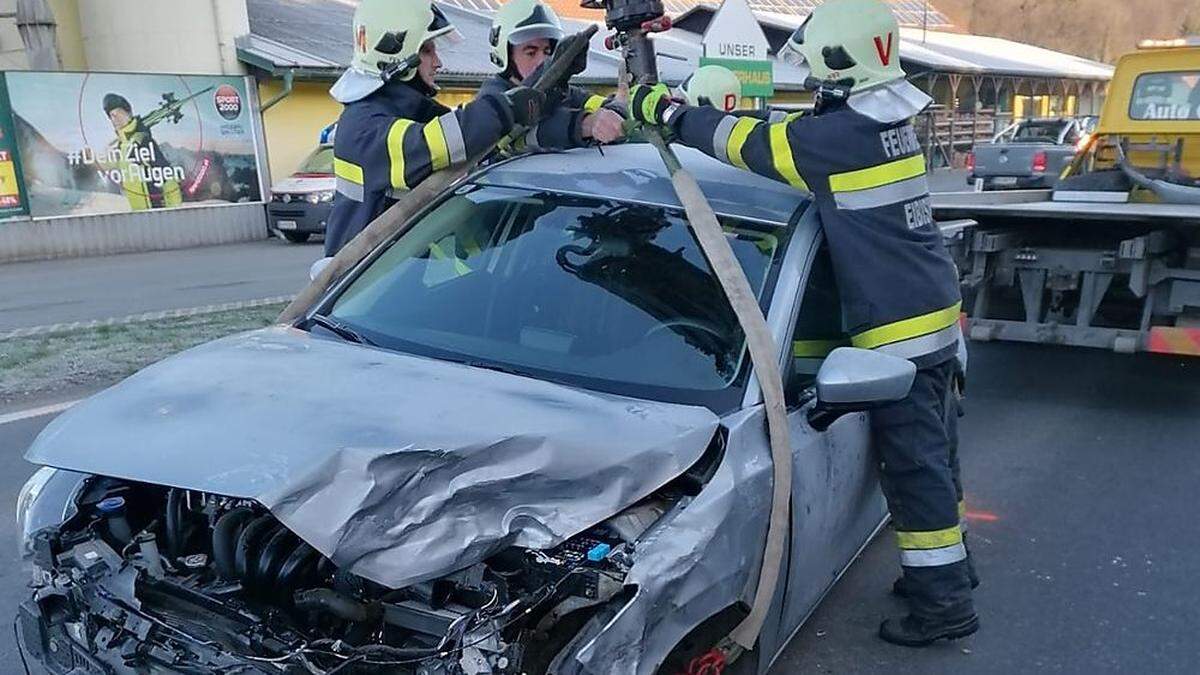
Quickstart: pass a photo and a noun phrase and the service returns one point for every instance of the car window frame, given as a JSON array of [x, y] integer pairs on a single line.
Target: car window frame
[[744, 383]]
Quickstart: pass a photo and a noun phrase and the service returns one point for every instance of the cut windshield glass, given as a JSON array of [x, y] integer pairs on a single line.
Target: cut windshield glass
[[599, 294], [1166, 96], [320, 161]]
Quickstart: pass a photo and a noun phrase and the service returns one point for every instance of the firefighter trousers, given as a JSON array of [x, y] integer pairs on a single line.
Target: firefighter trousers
[[915, 445]]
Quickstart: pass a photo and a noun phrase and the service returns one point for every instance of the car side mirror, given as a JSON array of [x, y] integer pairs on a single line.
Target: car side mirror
[[854, 380], [317, 267]]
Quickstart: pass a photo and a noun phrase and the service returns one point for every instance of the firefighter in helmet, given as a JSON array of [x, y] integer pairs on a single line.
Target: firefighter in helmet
[[859, 156], [392, 134]]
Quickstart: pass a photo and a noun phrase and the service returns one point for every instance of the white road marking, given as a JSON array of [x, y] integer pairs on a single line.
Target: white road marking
[[41, 411]]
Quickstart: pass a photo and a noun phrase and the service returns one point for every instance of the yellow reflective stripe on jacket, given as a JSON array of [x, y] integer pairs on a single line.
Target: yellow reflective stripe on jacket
[[926, 540], [876, 176], [809, 349], [593, 103], [781, 155], [737, 138], [908, 328], [395, 145], [347, 170], [435, 138]]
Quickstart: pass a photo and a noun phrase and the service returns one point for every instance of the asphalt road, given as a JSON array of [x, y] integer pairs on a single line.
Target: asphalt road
[[82, 289], [1081, 468]]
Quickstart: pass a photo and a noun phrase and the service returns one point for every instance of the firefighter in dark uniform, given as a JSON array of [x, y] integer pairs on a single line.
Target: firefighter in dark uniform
[[392, 134], [859, 156], [523, 36]]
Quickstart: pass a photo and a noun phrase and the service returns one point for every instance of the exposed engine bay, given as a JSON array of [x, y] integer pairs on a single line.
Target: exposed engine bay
[[148, 579]]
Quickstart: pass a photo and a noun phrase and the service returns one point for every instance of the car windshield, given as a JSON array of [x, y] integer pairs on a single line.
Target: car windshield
[[320, 161], [1166, 96], [1039, 132], [594, 293]]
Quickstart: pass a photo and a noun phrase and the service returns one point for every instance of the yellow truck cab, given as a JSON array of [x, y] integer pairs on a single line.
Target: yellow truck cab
[[1151, 118]]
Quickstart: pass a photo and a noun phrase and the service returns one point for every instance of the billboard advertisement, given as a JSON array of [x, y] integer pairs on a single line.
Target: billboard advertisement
[[93, 143], [12, 195]]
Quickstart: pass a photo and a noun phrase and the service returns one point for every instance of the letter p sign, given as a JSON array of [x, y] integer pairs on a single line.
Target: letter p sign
[[885, 52]]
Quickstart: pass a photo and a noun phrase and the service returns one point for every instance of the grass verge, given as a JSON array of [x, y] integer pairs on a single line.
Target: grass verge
[[38, 366]]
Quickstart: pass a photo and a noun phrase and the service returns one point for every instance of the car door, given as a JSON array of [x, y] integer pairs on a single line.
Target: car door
[[836, 501]]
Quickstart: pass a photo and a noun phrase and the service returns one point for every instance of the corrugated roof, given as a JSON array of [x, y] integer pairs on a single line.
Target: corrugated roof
[[909, 12], [957, 52], [282, 37]]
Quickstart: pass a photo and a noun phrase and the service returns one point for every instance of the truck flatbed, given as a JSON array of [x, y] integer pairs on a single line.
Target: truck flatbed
[[1037, 204]]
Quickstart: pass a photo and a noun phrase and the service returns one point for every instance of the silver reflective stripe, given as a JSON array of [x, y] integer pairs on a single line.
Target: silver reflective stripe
[[454, 138], [721, 137], [932, 557], [776, 116], [531, 142], [396, 193], [349, 188], [884, 195], [926, 344]]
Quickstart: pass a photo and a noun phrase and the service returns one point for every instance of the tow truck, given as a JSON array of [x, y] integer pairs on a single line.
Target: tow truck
[[1110, 258]]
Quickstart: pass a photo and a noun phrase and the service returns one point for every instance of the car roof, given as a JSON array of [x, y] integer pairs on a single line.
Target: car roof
[[634, 172]]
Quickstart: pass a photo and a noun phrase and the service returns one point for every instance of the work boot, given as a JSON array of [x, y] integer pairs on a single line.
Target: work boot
[[900, 586], [912, 631]]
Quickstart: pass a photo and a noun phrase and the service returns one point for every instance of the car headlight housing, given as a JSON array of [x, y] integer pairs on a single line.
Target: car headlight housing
[[25, 498], [47, 499]]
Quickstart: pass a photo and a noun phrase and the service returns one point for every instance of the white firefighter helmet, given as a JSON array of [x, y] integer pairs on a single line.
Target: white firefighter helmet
[[713, 85], [388, 35], [848, 40], [518, 22]]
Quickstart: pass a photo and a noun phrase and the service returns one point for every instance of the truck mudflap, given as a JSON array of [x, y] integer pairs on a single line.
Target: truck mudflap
[[1177, 341]]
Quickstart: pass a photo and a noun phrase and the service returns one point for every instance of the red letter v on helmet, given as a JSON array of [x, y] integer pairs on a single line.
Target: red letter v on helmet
[[885, 54]]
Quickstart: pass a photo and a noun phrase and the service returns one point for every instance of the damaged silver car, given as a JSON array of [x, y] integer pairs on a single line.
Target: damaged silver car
[[521, 437]]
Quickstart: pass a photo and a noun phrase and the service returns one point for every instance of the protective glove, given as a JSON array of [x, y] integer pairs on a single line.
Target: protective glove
[[527, 105], [652, 105]]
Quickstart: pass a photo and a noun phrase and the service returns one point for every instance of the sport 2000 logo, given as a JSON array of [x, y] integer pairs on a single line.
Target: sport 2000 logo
[[228, 102]]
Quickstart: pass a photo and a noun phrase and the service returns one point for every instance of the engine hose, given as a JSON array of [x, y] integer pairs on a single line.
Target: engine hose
[[174, 523], [341, 606], [249, 544], [224, 539]]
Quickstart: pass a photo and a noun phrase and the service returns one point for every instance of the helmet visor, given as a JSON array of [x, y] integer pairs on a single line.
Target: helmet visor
[[539, 32], [441, 28], [790, 51]]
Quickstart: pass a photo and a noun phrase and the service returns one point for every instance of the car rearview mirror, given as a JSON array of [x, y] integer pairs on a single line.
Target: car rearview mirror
[[854, 380], [317, 267]]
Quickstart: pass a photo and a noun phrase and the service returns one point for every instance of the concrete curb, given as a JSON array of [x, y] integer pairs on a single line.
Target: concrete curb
[[51, 329]]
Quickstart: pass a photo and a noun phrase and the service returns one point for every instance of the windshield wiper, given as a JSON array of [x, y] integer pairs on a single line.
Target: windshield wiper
[[341, 330]]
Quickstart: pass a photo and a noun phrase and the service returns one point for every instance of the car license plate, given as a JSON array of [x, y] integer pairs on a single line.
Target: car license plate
[[1006, 180], [286, 224]]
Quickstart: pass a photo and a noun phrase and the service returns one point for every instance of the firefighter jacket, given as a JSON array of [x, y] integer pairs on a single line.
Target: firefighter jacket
[[864, 166], [394, 138], [561, 129]]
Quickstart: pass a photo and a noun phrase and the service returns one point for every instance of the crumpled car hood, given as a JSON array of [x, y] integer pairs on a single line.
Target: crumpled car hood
[[398, 468]]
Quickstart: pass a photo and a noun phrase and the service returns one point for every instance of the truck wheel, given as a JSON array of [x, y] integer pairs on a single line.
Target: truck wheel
[[296, 237]]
